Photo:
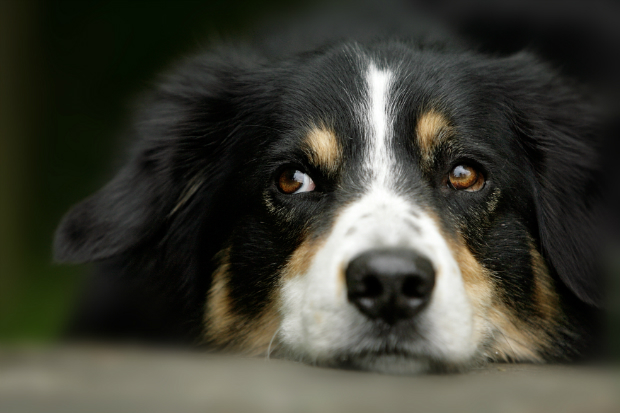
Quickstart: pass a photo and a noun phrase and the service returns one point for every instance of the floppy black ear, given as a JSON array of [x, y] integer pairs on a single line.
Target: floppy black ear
[[563, 132], [182, 134], [117, 217]]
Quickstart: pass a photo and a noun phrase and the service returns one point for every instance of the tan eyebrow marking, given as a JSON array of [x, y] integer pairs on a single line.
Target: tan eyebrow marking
[[323, 149], [432, 129]]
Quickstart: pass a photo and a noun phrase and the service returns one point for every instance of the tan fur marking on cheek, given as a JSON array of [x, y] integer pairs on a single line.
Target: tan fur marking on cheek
[[300, 260], [341, 285], [260, 338], [218, 311], [521, 340], [432, 128], [545, 296], [478, 285], [229, 331], [476, 277], [511, 338], [323, 149]]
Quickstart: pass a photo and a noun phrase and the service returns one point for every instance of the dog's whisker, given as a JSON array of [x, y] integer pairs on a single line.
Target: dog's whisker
[[271, 342]]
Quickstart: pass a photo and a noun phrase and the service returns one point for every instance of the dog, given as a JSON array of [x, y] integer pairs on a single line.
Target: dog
[[396, 203]]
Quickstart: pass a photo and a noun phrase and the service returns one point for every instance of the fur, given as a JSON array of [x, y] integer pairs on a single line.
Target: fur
[[193, 240]]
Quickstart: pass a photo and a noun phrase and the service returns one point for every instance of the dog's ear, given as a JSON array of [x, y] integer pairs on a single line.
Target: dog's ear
[[114, 219], [183, 135], [562, 132]]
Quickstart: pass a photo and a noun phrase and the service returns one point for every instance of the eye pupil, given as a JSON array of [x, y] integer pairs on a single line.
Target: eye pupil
[[465, 177]]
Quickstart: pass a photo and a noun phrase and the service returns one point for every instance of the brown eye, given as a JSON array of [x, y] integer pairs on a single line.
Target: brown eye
[[293, 181], [466, 178]]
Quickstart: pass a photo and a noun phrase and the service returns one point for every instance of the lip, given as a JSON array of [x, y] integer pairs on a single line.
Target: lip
[[366, 355], [391, 362]]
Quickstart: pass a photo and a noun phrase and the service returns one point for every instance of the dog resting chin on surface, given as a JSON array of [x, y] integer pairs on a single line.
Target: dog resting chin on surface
[[396, 203]]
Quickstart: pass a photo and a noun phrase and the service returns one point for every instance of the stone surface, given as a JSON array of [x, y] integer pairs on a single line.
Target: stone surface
[[130, 379]]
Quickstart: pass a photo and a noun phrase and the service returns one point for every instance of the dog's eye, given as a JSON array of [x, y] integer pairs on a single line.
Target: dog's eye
[[466, 178], [293, 181]]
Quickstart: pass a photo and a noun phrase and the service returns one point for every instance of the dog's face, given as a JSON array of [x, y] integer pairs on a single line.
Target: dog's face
[[378, 207]]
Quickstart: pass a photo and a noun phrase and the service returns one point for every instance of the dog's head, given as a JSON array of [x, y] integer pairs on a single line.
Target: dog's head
[[383, 207]]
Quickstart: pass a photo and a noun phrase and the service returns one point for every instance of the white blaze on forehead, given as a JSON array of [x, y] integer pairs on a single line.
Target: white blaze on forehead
[[379, 123]]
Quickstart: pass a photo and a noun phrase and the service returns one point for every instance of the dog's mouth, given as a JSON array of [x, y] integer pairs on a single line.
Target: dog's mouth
[[400, 349], [389, 360], [394, 361]]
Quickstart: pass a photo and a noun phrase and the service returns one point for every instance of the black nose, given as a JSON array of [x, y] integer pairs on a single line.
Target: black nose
[[390, 284]]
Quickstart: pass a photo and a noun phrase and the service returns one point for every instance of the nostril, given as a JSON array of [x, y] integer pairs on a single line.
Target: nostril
[[415, 286], [410, 287], [372, 287]]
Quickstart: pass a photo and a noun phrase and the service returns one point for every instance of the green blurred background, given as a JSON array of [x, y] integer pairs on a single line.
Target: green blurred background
[[69, 72]]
